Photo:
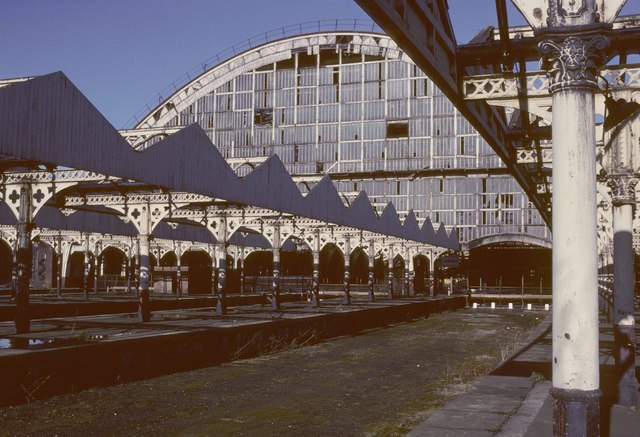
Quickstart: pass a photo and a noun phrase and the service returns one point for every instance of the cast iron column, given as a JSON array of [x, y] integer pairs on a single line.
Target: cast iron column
[[221, 251], [59, 272], [315, 280], [144, 308], [178, 251], [241, 268], [432, 275], [96, 271], [372, 296], [390, 273], [346, 284], [275, 289], [87, 269], [623, 200], [221, 304], [571, 55], [23, 261]]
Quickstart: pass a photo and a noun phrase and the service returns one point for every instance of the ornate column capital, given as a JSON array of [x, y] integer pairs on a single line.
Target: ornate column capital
[[572, 57], [623, 189]]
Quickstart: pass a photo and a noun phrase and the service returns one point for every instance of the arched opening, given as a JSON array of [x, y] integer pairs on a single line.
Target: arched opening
[[421, 274], [75, 271], [258, 268], [169, 259], [509, 265], [398, 274], [359, 266], [296, 265], [380, 268], [114, 268], [196, 268], [331, 265], [6, 264]]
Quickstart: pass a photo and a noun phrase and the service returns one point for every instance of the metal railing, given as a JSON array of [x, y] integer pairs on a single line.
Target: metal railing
[[354, 24]]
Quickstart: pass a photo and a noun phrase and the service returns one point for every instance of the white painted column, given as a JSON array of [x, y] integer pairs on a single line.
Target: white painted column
[[221, 251], [144, 310], [623, 198], [575, 358]]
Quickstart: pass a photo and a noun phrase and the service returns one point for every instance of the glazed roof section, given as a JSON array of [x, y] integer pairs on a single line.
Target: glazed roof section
[[47, 120]]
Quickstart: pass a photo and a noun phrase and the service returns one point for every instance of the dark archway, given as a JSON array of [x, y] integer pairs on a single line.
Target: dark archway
[[331, 266], [359, 266], [508, 264], [169, 259], [6, 264], [398, 274], [259, 263], [75, 271], [380, 268], [197, 268], [421, 274], [114, 268]]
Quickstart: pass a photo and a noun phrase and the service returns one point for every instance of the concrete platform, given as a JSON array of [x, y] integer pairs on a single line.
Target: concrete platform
[[515, 401], [63, 354]]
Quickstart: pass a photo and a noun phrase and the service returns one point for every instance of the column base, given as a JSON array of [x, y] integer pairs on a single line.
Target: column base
[[275, 300], [627, 384], [576, 412], [372, 297]]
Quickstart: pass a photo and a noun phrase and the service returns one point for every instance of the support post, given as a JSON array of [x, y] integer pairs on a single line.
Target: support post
[[315, 279], [408, 273], [241, 268], [390, 275], [623, 200], [87, 269], [144, 307], [346, 282], [275, 289], [432, 275], [371, 257], [572, 56], [179, 269], [59, 272], [96, 271], [23, 261], [221, 303]]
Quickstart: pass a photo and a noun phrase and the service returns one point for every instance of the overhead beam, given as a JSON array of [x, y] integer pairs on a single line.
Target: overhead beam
[[423, 29]]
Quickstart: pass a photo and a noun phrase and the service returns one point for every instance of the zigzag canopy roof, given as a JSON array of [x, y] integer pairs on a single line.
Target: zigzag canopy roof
[[46, 119]]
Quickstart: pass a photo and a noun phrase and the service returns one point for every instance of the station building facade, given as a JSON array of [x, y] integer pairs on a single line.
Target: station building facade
[[351, 105], [354, 106]]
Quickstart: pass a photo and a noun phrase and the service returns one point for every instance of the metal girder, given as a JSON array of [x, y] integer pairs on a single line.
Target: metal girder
[[624, 39], [423, 29], [113, 199], [501, 86], [528, 155]]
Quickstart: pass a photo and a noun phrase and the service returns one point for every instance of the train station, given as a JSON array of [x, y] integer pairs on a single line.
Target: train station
[[338, 176]]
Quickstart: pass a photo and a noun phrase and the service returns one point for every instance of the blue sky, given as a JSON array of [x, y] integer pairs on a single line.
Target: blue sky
[[121, 53]]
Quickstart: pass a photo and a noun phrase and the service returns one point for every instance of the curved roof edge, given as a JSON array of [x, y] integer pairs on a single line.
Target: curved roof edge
[[370, 43], [508, 238]]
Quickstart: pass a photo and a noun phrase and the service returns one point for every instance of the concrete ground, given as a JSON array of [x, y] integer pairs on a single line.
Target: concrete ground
[[514, 400]]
